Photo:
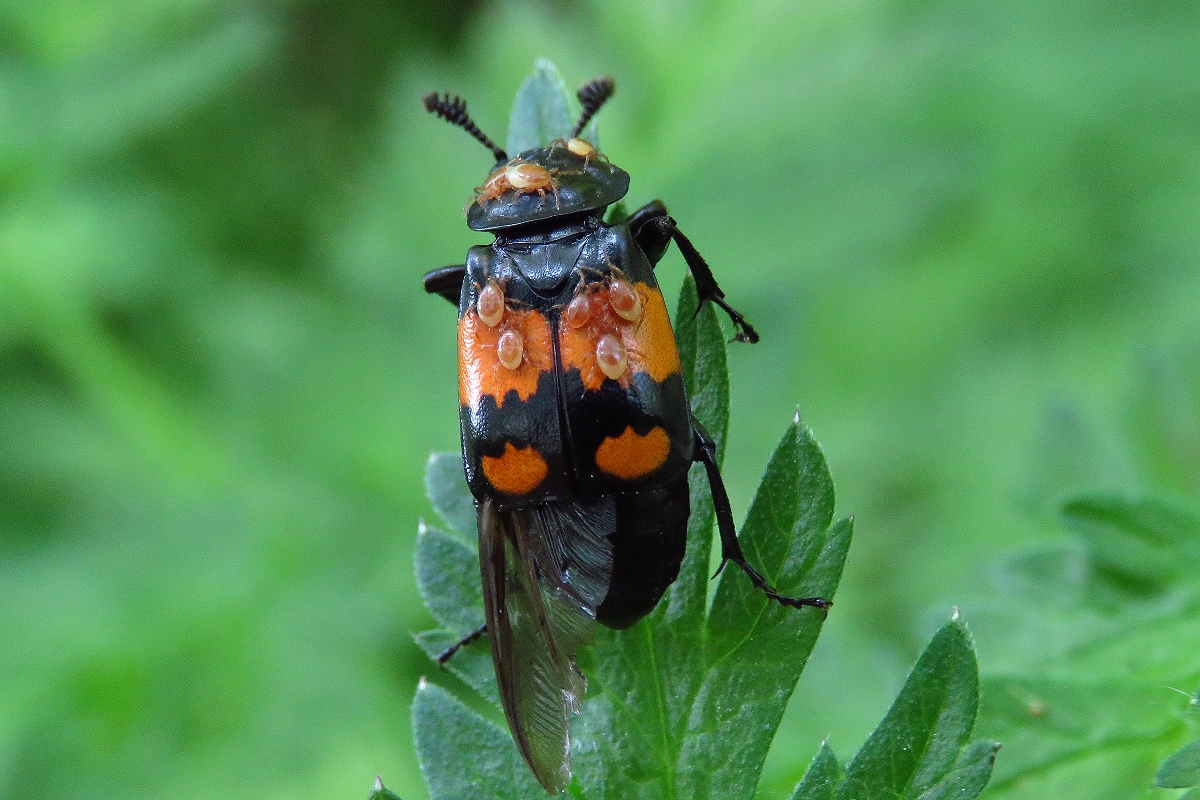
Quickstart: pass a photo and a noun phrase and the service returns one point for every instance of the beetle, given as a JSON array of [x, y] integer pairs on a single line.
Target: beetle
[[577, 436]]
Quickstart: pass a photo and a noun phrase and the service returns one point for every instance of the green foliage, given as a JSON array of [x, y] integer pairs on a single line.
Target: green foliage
[[823, 777], [1119, 622], [544, 110], [220, 381], [922, 749], [1094, 708], [540, 113], [1088, 692], [464, 755]]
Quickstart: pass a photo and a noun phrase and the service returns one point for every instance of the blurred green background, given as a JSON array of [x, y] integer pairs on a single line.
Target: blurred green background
[[961, 227]]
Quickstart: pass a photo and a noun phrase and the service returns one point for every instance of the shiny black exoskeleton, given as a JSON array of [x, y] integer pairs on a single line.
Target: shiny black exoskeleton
[[576, 430]]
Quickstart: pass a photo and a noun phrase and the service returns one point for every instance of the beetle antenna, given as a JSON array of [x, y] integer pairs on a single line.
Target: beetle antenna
[[592, 95], [453, 109]]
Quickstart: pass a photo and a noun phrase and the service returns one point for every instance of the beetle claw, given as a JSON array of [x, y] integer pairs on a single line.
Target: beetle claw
[[760, 583]]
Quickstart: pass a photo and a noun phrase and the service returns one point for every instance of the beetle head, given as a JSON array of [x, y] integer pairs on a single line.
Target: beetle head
[[566, 178], [544, 184]]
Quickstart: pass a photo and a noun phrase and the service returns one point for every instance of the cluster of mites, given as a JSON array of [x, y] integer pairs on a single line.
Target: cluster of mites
[[611, 357], [526, 177]]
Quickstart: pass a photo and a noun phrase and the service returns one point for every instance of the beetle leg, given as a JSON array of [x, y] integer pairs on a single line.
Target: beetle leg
[[649, 229], [473, 636], [731, 549], [446, 281], [653, 229], [707, 288]]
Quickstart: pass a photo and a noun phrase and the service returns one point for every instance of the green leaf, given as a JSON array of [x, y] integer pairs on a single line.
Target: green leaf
[[757, 649], [1143, 543], [919, 742], [617, 213], [1117, 621], [706, 378], [921, 750], [447, 568], [381, 792], [540, 113], [448, 578], [1049, 721], [822, 778], [446, 487], [471, 664], [1182, 769], [970, 774], [463, 755], [782, 534]]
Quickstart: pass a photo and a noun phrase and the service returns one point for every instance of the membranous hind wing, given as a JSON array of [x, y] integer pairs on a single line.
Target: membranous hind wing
[[545, 571]]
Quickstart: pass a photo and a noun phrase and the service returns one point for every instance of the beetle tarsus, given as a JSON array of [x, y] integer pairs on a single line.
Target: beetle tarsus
[[654, 229], [731, 549], [760, 583], [745, 331], [707, 288], [449, 652]]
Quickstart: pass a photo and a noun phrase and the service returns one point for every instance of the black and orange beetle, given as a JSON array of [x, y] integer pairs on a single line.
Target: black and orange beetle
[[577, 435]]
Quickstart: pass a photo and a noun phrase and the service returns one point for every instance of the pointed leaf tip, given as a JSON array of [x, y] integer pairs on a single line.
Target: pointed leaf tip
[[381, 792], [921, 744], [822, 778], [540, 112]]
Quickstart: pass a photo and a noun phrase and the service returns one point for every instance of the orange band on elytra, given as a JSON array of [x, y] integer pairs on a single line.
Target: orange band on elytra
[[480, 370], [518, 471], [631, 456], [649, 343]]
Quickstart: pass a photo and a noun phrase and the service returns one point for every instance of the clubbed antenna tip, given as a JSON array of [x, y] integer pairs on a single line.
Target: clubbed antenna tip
[[592, 95], [453, 109]]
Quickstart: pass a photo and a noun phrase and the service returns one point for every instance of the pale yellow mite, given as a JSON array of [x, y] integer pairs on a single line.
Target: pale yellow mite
[[581, 147], [510, 348], [491, 305], [625, 300], [610, 355], [496, 183], [527, 177], [578, 311]]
